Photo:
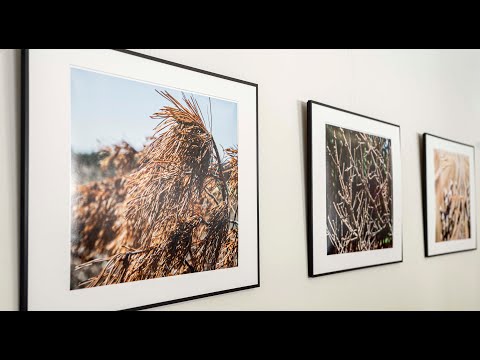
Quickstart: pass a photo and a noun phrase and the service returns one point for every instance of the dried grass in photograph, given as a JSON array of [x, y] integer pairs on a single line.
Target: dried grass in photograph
[[168, 209], [359, 191], [452, 194]]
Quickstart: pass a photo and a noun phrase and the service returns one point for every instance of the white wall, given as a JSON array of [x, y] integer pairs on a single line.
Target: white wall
[[9, 177], [421, 90]]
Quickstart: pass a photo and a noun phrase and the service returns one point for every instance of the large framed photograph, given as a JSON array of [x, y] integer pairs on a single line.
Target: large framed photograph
[[355, 210], [140, 182], [449, 196]]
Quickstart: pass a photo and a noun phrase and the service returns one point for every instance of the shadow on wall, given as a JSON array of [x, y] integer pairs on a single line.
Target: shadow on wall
[[302, 118], [10, 147], [420, 143]]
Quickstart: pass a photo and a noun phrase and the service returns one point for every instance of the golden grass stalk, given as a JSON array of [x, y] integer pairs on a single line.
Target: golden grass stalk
[[179, 211], [452, 192]]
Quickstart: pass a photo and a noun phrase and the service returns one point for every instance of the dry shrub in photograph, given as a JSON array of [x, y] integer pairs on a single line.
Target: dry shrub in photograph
[[169, 209], [452, 194], [359, 191]]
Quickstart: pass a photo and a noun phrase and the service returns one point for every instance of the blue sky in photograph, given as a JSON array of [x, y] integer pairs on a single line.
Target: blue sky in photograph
[[107, 109]]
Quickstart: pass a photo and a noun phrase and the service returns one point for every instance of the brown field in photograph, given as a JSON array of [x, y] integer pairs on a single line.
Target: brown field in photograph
[[170, 208], [359, 191], [452, 194]]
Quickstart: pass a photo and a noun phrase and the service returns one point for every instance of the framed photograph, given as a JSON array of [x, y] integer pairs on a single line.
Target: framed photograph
[[449, 196], [140, 182], [355, 210]]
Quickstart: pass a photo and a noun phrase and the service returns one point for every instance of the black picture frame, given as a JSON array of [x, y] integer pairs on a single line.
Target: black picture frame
[[310, 202], [425, 208], [24, 196]]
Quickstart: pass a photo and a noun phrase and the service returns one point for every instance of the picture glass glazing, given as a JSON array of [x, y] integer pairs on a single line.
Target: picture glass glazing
[[452, 195], [154, 181], [358, 191], [449, 193]]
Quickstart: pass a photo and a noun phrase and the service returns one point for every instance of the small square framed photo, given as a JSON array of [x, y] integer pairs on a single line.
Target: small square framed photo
[[449, 196], [355, 217]]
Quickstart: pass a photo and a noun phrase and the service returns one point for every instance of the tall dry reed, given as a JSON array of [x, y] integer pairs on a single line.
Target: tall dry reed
[[452, 193], [178, 209]]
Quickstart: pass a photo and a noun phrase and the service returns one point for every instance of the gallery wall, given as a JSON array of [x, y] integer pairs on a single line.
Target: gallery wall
[[9, 177], [434, 91]]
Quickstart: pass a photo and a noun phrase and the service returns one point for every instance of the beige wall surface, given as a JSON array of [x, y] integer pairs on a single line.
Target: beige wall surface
[[434, 91], [9, 176]]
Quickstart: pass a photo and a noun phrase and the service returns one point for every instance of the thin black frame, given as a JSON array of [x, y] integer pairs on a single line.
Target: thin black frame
[[25, 169], [424, 193], [310, 191]]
